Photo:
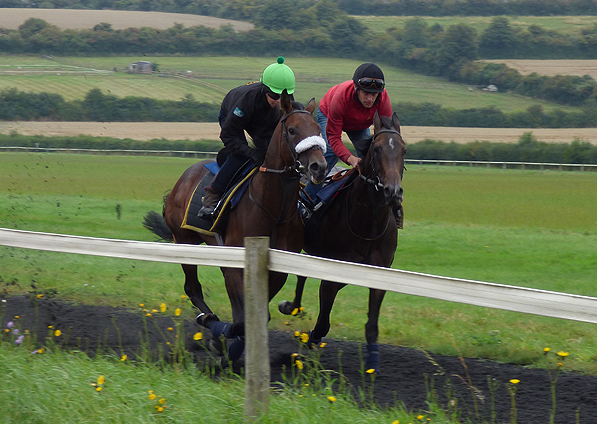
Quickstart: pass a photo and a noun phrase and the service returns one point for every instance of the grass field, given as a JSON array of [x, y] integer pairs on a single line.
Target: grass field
[[210, 78], [532, 229], [563, 24]]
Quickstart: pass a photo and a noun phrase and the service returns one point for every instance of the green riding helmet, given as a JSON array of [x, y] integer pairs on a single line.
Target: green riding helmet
[[278, 77]]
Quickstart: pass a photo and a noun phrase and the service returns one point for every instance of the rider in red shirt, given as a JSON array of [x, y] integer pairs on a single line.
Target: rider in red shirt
[[350, 107]]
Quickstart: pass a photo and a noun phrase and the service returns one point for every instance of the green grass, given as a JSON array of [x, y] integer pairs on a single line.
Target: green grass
[[562, 24], [57, 388], [524, 228], [314, 77]]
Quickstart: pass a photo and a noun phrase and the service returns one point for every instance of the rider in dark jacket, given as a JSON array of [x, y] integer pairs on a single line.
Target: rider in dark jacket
[[254, 108]]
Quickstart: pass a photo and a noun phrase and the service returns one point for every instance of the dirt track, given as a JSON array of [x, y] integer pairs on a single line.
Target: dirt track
[[210, 131], [403, 370]]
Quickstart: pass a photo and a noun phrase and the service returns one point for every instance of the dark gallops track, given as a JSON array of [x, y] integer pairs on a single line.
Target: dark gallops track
[[402, 375]]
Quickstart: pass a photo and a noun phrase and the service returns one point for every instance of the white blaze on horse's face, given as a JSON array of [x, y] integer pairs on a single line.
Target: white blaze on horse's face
[[391, 143]]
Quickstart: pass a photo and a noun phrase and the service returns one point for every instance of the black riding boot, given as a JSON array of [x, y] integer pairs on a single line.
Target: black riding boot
[[210, 201]]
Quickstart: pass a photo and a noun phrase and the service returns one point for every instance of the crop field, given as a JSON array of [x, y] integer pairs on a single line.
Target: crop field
[[526, 228], [563, 24], [208, 79], [211, 131], [552, 67], [12, 18]]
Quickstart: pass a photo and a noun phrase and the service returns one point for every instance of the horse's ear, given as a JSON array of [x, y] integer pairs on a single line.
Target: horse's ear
[[311, 106], [285, 102], [376, 122], [396, 122]]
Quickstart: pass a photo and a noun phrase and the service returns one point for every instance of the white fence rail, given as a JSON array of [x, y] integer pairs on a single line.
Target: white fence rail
[[198, 154], [498, 296]]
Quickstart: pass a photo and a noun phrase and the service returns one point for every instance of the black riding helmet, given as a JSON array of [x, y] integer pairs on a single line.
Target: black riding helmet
[[369, 77]]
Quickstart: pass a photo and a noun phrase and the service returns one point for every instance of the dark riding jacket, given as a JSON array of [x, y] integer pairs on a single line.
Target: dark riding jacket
[[246, 108]]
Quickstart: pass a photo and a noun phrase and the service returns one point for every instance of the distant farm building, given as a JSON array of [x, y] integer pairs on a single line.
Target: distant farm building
[[491, 89], [142, 67]]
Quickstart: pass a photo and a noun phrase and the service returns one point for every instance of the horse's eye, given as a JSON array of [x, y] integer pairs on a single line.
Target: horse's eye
[[291, 131]]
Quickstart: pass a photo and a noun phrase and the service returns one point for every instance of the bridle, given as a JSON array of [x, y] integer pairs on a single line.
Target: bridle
[[290, 172], [376, 183], [297, 167]]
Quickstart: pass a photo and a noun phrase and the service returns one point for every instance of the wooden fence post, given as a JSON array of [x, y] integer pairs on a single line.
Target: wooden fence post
[[257, 363]]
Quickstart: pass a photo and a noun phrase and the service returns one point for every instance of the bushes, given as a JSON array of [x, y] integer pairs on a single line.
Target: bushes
[[528, 149], [96, 106]]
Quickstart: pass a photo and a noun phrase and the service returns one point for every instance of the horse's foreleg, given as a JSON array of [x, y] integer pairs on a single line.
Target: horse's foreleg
[[372, 329], [192, 288], [327, 295], [285, 306]]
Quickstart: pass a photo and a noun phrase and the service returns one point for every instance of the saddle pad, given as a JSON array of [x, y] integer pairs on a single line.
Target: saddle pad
[[231, 198]]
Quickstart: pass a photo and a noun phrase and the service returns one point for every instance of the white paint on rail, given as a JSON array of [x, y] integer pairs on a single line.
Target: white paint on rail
[[479, 293]]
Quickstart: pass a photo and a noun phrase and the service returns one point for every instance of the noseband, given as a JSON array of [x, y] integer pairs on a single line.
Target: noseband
[[297, 167]]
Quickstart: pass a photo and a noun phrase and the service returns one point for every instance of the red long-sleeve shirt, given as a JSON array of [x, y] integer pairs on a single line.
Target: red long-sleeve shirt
[[346, 113]]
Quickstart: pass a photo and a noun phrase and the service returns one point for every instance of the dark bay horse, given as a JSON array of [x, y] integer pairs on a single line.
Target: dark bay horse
[[359, 226], [267, 208]]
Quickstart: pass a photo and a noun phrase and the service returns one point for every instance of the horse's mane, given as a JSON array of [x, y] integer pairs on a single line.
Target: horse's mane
[[297, 105], [386, 121]]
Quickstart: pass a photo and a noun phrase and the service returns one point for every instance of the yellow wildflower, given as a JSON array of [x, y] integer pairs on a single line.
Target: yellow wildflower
[[302, 309], [563, 354], [183, 297], [370, 371], [546, 349], [154, 311], [198, 336], [514, 381], [294, 311], [57, 333], [170, 329], [177, 312], [101, 380], [39, 296], [160, 409], [162, 401], [304, 337], [163, 307], [332, 399], [124, 357], [420, 417], [152, 396], [324, 344], [396, 422], [147, 314], [297, 334], [98, 389], [299, 364], [141, 305]]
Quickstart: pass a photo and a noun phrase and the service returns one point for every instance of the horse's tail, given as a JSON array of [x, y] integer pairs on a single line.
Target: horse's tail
[[156, 223]]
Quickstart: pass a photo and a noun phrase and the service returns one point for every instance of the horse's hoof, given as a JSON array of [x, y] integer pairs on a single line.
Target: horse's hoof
[[285, 307], [205, 320]]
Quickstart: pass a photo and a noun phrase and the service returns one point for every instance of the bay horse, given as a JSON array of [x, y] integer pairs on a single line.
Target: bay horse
[[359, 226], [267, 208]]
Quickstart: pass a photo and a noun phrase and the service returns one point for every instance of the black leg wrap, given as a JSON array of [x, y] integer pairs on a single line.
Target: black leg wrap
[[236, 348], [219, 328], [372, 361]]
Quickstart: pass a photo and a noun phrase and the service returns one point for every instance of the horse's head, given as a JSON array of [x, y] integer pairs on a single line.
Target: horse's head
[[301, 133], [384, 163]]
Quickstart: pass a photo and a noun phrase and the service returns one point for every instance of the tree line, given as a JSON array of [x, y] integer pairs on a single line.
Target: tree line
[[18, 105], [528, 148]]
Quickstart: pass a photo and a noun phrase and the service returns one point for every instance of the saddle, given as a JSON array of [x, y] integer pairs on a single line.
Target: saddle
[[311, 209], [229, 200]]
